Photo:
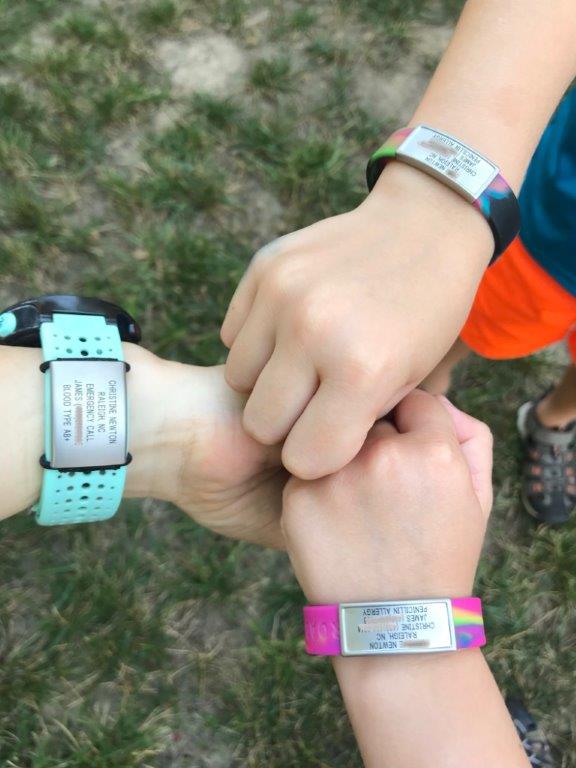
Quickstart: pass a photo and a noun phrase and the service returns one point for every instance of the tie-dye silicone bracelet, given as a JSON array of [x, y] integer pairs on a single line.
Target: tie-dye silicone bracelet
[[393, 627], [466, 171]]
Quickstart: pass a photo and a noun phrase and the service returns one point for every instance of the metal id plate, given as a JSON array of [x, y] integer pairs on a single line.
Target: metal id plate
[[410, 626], [89, 427], [448, 160]]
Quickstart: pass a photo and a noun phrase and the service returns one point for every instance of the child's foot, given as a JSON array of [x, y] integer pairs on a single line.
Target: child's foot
[[533, 740], [549, 477]]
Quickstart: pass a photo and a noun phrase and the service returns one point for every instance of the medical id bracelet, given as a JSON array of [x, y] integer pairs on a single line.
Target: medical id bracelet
[[86, 412], [464, 170], [394, 627]]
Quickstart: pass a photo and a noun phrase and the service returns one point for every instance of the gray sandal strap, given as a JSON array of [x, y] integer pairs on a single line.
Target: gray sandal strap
[[554, 437]]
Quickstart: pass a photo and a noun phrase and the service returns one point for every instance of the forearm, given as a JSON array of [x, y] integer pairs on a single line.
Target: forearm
[[185, 435], [168, 405], [502, 76], [499, 81], [445, 710]]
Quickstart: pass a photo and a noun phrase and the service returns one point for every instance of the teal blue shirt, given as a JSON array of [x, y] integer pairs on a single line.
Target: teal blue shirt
[[548, 197]]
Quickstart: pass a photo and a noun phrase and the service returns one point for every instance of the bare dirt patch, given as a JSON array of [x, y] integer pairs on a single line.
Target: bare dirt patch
[[208, 63], [395, 93]]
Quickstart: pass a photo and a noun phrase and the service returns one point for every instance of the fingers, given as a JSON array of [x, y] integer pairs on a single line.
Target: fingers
[[423, 413], [476, 442], [252, 348], [329, 433], [245, 294], [283, 389], [239, 308]]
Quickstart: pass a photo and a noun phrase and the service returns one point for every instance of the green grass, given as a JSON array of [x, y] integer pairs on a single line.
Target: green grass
[[147, 641], [272, 76]]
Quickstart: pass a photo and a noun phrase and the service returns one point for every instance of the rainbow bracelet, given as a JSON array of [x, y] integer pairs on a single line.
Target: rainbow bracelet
[[459, 167], [393, 627]]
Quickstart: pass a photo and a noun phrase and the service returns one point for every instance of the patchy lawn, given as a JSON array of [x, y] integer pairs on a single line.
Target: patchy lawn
[[146, 150]]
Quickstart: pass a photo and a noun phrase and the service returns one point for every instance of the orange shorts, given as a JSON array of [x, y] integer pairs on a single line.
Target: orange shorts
[[519, 309]]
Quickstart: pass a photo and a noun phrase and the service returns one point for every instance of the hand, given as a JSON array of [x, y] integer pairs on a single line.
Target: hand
[[227, 481], [405, 519], [195, 453], [186, 438], [332, 325]]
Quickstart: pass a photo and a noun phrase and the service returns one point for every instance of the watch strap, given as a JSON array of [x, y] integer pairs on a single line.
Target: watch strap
[[497, 202], [323, 634], [77, 496], [69, 336]]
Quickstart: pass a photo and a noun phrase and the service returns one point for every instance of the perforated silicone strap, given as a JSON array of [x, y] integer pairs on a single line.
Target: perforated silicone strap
[[323, 634], [72, 496]]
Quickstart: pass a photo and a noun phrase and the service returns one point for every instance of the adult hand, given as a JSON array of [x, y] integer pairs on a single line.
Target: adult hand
[[186, 439], [190, 449]]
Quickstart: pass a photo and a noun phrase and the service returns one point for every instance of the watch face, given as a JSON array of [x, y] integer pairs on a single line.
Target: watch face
[[27, 316]]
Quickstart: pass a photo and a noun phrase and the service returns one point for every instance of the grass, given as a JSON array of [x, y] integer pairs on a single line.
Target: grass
[[148, 641], [272, 76]]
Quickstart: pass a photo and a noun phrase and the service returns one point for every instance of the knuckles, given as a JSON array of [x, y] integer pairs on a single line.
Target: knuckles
[[385, 459], [315, 317], [283, 278], [262, 429], [362, 368], [392, 461], [312, 320], [440, 453]]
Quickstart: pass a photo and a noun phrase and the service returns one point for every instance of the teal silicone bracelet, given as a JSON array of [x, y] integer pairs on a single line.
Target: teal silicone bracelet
[[77, 496]]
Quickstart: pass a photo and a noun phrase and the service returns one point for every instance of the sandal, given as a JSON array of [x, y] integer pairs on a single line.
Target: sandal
[[533, 739], [549, 476]]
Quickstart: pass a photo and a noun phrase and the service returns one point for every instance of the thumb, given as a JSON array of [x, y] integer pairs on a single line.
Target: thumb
[[476, 442]]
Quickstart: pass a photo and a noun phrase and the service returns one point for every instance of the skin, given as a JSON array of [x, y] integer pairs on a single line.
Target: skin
[[556, 409], [332, 325], [186, 437], [406, 519]]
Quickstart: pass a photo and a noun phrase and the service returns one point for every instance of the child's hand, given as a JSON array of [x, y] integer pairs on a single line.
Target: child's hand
[[405, 519], [332, 325]]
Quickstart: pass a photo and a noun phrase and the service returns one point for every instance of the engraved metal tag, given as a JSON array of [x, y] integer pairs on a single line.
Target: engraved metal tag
[[410, 626], [449, 160], [89, 414]]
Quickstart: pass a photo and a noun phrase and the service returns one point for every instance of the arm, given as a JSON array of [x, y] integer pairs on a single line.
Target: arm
[[332, 325], [502, 76], [186, 437], [405, 520], [450, 708]]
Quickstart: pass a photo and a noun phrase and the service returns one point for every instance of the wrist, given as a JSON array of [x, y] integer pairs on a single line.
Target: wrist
[[386, 697], [165, 401], [172, 411], [363, 673], [152, 441], [23, 428], [404, 575], [434, 211]]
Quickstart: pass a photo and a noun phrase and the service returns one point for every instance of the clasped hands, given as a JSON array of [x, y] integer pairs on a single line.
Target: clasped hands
[[406, 517]]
